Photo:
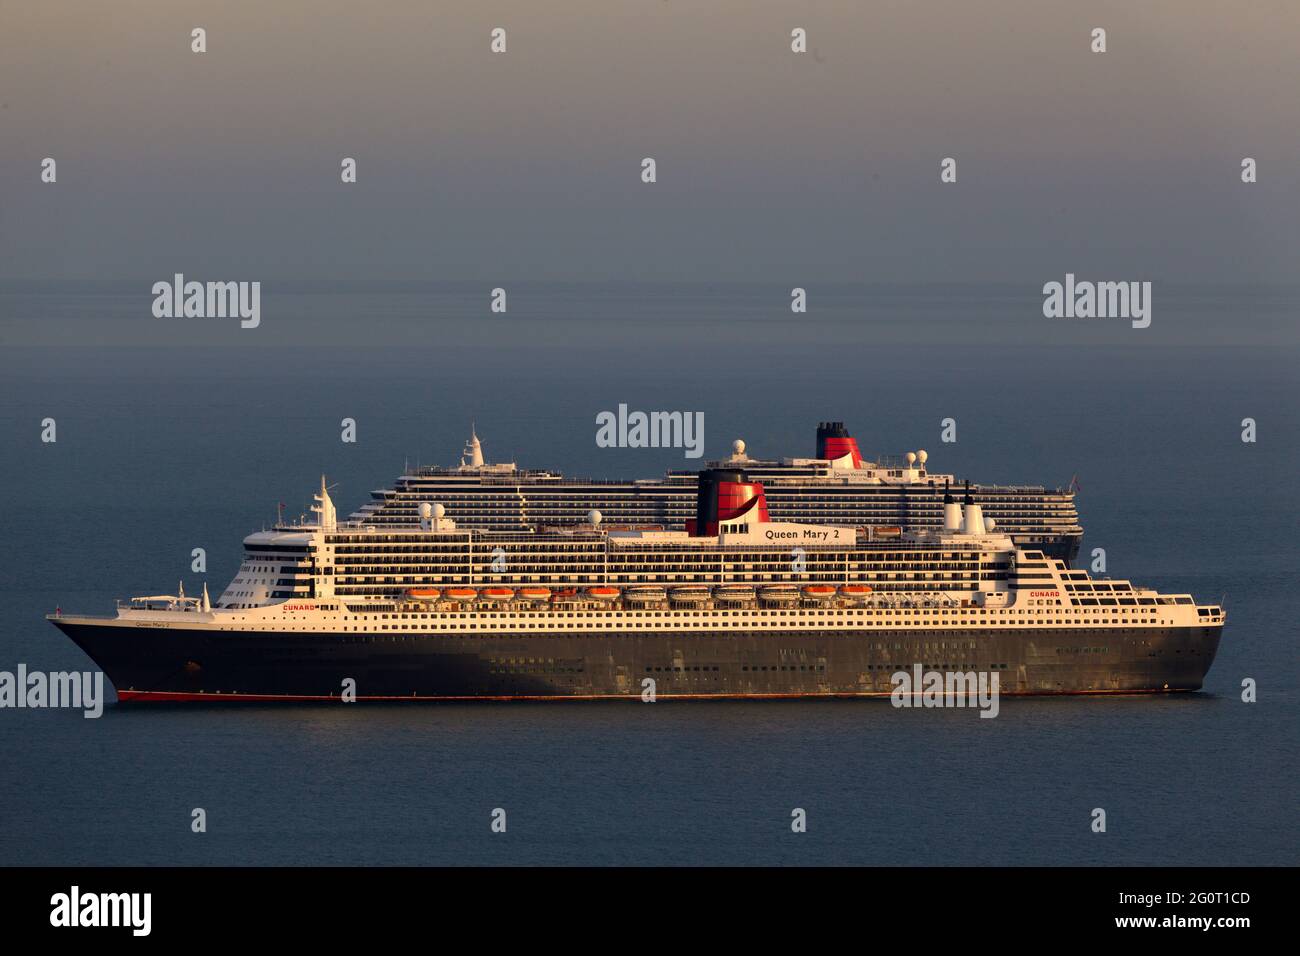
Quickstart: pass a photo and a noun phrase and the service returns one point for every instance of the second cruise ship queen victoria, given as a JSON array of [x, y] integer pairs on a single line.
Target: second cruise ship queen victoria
[[735, 605]]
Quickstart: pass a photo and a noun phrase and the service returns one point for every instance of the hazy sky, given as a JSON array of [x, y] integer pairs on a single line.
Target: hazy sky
[[771, 165]]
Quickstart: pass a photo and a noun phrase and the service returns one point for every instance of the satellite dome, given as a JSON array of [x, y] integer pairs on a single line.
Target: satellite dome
[[593, 516], [738, 446], [426, 509], [439, 510], [911, 457], [922, 456]]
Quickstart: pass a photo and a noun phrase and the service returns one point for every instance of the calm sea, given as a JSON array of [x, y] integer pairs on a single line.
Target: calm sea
[[175, 436]]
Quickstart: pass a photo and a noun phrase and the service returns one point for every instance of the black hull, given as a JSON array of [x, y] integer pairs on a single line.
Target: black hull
[[181, 663]]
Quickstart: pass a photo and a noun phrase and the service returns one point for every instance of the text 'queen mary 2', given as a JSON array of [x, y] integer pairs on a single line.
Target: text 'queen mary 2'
[[734, 605]]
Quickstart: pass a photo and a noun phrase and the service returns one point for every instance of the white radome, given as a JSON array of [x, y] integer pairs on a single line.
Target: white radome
[[738, 446], [911, 457], [593, 516], [426, 510], [922, 457], [439, 510]]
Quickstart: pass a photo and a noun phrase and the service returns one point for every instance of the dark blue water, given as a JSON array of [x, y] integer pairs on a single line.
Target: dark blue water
[[163, 447]]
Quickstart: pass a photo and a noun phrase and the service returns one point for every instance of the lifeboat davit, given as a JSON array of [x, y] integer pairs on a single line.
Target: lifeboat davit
[[535, 594], [734, 592], [602, 593], [460, 594], [820, 592], [691, 593], [643, 595], [498, 594], [423, 594]]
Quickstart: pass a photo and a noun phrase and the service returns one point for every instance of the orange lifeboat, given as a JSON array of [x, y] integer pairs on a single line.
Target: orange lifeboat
[[535, 594], [602, 593], [423, 594], [855, 590], [460, 594], [821, 592], [498, 594]]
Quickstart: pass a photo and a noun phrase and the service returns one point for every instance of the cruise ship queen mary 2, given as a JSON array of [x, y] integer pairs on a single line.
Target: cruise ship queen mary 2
[[733, 605]]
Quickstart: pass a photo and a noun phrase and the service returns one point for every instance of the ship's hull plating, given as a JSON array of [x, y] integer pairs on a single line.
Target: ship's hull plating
[[146, 663]]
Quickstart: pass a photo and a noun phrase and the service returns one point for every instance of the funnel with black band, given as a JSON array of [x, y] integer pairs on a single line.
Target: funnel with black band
[[834, 442], [725, 494]]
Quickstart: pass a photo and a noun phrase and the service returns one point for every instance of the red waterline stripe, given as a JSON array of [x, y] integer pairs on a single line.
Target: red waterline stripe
[[160, 696]]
